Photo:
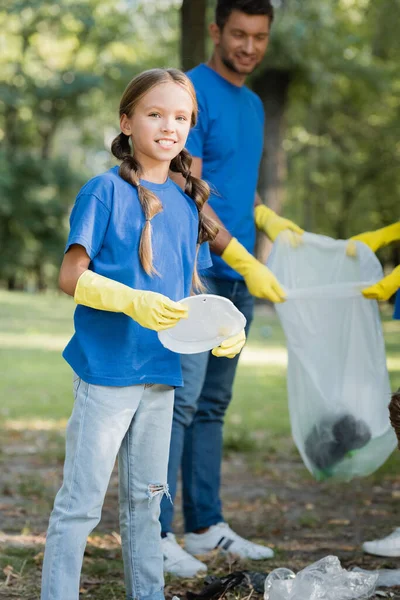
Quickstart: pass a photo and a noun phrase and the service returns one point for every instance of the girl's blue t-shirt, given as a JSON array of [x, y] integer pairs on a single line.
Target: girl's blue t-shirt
[[109, 348]]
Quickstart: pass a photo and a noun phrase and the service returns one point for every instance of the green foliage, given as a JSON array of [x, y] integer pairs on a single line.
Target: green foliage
[[64, 65], [63, 68], [343, 111]]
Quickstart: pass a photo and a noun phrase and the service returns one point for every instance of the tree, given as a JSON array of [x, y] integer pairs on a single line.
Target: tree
[[64, 67], [193, 33], [329, 96]]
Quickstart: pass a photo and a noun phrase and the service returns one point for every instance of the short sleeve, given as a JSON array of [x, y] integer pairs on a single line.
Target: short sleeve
[[88, 224], [197, 135], [204, 257]]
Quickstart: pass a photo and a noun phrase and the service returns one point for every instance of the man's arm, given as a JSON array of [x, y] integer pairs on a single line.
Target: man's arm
[[223, 236], [257, 200], [259, 280]]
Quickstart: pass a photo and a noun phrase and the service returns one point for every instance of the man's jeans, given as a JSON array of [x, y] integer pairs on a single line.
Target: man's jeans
[[199, 410], [134, 423]]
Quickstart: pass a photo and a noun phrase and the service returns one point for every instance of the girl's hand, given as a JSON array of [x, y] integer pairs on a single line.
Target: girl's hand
[[230, 347]]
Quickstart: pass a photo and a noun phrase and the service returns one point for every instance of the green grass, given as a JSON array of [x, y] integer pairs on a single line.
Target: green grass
[[36, 382]]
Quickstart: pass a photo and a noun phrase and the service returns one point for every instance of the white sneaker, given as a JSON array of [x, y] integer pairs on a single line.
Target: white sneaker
[[388, 546], [227, 541], [177, 561]]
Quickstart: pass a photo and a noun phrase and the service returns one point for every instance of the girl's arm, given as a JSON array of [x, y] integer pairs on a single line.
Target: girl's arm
[[76, 261], [149, 309]]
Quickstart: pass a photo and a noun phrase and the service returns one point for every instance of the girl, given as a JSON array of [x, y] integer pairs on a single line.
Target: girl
[[130, 256]]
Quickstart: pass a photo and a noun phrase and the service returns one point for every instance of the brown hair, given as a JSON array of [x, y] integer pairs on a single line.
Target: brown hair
[[394, 411], [130, 168], [225, 8]]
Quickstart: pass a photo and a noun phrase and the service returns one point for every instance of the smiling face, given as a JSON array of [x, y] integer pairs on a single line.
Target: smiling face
[[242, 42], [159, 124]]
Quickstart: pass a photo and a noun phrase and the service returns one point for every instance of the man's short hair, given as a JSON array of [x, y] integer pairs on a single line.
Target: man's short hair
[[249, 7]]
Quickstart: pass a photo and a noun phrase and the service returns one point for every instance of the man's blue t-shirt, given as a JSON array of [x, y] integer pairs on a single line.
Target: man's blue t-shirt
[[107, 220], [229, 139]]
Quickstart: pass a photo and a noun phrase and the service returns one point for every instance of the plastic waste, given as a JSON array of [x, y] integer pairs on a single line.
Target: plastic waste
[[216, 587], [277, 582], [323, 580], [386, 577], [331, 440], [211, 320], [338, 383]]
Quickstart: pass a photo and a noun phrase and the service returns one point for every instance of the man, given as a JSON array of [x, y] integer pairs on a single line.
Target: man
[[227, 146], [383, 290]]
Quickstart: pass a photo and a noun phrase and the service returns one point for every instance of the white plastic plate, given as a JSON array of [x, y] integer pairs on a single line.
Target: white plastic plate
[[211, 320]]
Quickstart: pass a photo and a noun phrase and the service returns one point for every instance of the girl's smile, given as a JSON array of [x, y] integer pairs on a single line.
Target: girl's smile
[[158, 127]]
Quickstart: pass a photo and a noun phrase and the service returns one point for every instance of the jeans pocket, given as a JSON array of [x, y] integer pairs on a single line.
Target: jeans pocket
[[76, 381]]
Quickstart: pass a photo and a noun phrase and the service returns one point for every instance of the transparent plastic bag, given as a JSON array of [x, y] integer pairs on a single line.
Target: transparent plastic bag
[[386, 577], [323, 580], [338, 384]]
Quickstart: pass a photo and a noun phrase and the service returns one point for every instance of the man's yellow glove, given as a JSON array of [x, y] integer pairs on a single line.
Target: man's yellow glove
[[385, 288], [230, 347], [149, 309], [260, 281], [374, 239], [272, 225]]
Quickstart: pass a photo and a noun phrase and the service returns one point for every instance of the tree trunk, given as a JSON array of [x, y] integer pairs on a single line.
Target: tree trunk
[[11, 283], [272, 86], [193, 33]]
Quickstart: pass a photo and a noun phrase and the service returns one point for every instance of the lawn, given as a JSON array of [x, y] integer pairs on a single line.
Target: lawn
[[36, 381], [268, 495]]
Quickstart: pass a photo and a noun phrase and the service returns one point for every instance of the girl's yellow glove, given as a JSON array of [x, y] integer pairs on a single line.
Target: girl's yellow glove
[[230, 347], [385, 288], [149, 309], [272, 225]]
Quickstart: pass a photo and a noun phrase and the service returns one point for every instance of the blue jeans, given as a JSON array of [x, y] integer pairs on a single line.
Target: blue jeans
[[134, 423], [199, 410]]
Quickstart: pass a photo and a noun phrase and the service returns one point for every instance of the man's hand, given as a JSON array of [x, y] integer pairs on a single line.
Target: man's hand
[[260, 281], [272, 225]]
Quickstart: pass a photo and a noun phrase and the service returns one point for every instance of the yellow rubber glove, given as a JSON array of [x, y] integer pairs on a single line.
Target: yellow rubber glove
[[374, 239], [385, 288], [149, 309], [271, 224], [259, 279], [230, 347]]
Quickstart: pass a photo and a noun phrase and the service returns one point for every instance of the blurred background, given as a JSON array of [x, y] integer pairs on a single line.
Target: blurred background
[[330, 84]]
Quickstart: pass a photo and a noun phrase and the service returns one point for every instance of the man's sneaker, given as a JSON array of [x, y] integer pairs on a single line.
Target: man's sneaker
[[222, 537], [388, 546], [177, 561]]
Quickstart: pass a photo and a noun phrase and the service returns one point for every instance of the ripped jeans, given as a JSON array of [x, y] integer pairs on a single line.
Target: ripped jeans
[[134, 423]]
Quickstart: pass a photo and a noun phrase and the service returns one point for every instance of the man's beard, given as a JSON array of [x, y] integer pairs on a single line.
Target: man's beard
[[230, 65]]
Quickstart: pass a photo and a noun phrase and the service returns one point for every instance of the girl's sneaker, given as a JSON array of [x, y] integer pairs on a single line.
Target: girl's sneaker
[[222, 537], [177, 561]]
